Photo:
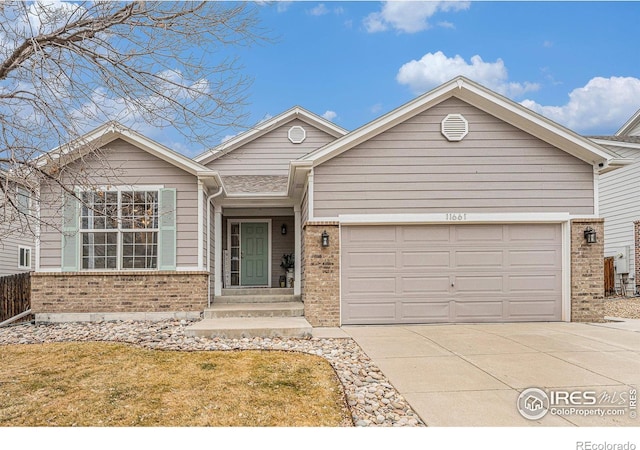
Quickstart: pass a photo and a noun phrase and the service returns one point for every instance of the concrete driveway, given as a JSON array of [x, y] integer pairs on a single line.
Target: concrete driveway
[[472, 375]]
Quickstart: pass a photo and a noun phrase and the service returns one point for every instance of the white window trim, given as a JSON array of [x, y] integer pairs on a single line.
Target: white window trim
[[30, 252], [119, 189]]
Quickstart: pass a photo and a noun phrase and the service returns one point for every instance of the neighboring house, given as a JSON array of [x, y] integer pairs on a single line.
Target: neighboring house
[[17, 234], [460, 206], [619, 192]]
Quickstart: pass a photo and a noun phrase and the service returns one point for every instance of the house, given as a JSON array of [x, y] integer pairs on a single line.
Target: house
[[17, 233], [618, 194], [459, 206]]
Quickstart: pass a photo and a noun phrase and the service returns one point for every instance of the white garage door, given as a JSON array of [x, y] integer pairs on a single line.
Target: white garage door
[[451, 273]]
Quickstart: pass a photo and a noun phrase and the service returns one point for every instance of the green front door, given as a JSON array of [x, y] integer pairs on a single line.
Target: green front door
[[254, 251]]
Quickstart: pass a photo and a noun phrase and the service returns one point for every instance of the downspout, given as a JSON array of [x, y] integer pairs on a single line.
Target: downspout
[[211, 197]]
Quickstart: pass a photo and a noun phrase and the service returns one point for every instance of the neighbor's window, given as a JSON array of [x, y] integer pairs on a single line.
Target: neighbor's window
[[24, 257], [23, 200], [119, 229]]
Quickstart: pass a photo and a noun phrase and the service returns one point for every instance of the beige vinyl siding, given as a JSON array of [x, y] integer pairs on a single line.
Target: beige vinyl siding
[[271, 153], [412, 168], [14, 232], [619, 191], [9, 252], [121, 163]]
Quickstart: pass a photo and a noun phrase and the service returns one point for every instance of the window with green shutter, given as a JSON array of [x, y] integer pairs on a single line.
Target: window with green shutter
[[122, 228]]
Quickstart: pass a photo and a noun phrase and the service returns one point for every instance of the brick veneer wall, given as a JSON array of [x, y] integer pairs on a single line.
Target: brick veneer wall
[[321, 286], [587, 272], [636, 253], [80, 292]]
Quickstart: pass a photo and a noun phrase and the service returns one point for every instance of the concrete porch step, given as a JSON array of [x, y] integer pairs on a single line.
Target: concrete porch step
[[257, 291], [266, 298], [249, 327], [277, 309]]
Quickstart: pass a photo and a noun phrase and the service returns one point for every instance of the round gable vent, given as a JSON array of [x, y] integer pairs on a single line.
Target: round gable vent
[[297, 134], [454, 127]]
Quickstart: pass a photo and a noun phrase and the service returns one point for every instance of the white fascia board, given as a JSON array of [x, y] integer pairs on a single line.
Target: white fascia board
[[629, 125], [262, 128], [451, 218], [533, 123], [616, 143], [484, 99], [111, 131], [614, 164]]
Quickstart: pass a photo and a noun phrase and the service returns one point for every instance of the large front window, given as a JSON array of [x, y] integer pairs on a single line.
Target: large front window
[[119, 229]]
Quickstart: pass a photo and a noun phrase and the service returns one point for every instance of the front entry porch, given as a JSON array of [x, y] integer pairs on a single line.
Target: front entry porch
[[253, 312]]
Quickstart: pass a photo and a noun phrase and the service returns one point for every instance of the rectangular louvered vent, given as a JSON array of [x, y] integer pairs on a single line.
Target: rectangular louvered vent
[[454, 127]]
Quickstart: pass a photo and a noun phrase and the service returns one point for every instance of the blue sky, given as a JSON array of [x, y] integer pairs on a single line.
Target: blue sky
[[574, 62]]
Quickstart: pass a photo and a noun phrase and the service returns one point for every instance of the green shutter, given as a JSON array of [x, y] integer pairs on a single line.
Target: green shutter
[[167, 229], [70, 234]]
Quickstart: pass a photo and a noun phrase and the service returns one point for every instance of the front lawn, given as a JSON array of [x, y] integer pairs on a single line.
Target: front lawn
[[100, 384]]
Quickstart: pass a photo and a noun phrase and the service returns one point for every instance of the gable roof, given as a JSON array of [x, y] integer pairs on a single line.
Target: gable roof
[[268, 125], [632, 123], [109, 132], [484, 99]]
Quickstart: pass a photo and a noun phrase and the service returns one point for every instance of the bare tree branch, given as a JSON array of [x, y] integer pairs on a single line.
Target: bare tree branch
[[68, 67]]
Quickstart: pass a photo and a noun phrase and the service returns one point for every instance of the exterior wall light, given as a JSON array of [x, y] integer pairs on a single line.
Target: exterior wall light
[[283, 229], [590, 235], [325, 239]]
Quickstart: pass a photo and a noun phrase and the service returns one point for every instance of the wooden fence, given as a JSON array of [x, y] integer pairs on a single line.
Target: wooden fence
[[15, 296], [609, 277]]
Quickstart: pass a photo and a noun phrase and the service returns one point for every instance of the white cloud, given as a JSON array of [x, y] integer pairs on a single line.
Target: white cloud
[[330, 115], [319, 10], [601, 106], [434, 69], [409, 16]]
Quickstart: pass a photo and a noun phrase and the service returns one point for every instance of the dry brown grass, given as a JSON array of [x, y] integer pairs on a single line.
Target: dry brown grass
[[100, 384]]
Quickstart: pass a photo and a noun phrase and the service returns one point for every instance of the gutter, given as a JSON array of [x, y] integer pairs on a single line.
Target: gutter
[[211, 197]]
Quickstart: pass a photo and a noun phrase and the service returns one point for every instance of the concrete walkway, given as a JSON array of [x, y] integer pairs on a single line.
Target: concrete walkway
[[472, 375]]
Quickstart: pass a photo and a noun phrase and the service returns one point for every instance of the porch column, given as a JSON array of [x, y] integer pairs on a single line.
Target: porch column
[[217, 248], [297, 227]]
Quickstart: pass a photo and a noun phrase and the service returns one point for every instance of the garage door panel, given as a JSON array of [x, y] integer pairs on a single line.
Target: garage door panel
[[412, 312], [535, 283], [367, 285], [499, 272], [539, 309], [425, 259], [358, 236], [544, 233], [479, 258], [544, 258], [372, 260], [479, 284], [419, 234], [424, 285], [479, 234], [370, 312], [478, 310]]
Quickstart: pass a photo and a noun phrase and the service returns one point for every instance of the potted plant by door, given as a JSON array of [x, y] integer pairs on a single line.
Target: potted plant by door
[[288, 264]]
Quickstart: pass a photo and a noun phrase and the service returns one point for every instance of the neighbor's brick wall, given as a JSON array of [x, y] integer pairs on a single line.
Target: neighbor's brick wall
[[321, 288], [636, 252], [79, 292], [587, 272]]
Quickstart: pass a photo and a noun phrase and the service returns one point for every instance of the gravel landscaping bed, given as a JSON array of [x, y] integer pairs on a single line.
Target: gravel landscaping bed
[[626, 307], [373, 401]]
